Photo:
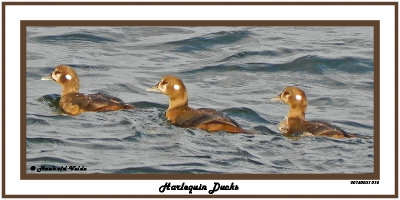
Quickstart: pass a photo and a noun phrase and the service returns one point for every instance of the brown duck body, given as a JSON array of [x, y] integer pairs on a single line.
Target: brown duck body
[[77, 103], [295, 122], [204, 118], [180, 114], [74, 103]]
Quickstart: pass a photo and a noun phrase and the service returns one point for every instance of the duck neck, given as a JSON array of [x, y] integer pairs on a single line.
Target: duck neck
[[69, 90], [178, 102], [297, 112]]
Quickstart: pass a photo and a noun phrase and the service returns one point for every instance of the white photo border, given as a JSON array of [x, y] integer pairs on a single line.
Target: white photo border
[[13, 14]]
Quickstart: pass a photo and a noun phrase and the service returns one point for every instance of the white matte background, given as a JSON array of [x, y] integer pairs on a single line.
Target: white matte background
[[14, 14]]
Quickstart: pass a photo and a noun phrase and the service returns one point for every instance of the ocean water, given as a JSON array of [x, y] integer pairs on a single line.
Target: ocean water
[[232, 69]]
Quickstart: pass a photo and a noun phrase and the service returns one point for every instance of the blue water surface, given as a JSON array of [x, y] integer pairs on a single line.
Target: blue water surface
[[232, 69]]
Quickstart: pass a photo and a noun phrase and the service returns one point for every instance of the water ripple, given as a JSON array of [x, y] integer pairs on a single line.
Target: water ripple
[[48, 159], [34, 121], [52, 100], [309, 64], [45, 140], [155, 170], [246, 113], [205, 42], [72, 37], [245, 54]]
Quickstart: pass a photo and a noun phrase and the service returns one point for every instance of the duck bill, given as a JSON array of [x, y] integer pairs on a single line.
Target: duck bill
[[154, 89], [47, 78], [277, 98]]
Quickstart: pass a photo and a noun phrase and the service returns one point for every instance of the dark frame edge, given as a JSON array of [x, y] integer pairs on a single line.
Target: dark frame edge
[[3, 105], [373, 176], [396, 97], [197, 22], [200, 196], [197, 196], [23, 100], [377, 67], [199, 3]]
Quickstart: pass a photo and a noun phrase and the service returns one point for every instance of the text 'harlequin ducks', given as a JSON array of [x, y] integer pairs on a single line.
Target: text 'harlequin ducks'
[[180, 114], [295, 122], [75, 103]]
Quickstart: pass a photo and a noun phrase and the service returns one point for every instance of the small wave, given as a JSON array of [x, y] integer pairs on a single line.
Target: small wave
[[92, 67], [93, 146], [283, 163], [153, 170], [207, 157], [94, 139], [245, 54], [34, 75], [335, 162], [210, 40], [190, 164], [246, 113], [169, 148], [354, 124], [146, 104], [316, 64], [34, 121], [266, 130], [308, 64], [329, 149], [327, 101], [72, 37], [34, 56], [265, 53], [276, 138], [320, 101], [221, 68], [243, 153], [59, 115], [233, 161], [45, 140], [133, 138], [48, 159], [125, 87], [51, 100]]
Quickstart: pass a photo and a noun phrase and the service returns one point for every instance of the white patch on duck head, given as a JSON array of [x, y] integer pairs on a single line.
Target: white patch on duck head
[[298, 97], [177, 87], [69, 77]]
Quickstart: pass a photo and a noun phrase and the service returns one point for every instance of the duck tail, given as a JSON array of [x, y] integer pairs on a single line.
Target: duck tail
[[350, 135], [354, 135], [248, 132], [127, 106]]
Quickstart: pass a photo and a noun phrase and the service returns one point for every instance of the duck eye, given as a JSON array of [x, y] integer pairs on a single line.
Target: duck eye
[[164, 82], [286, 93], [57, 72]]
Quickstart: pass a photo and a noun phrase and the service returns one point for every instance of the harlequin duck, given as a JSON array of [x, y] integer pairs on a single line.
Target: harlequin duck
[[180, 114], [75, 103], [295, 122]]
